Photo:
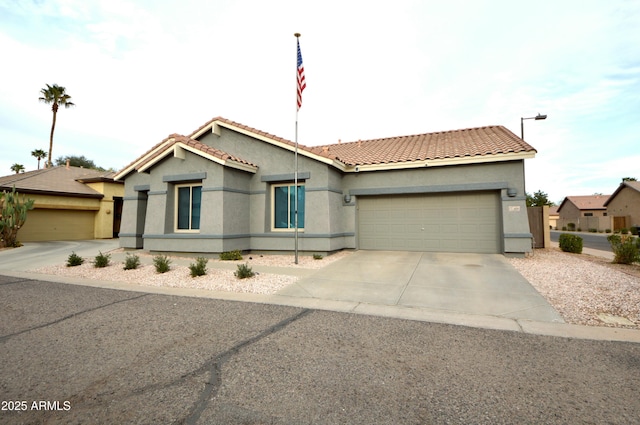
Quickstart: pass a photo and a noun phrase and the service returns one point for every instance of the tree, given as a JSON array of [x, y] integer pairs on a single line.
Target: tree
[[56, 96], [17, 168], [38, 153], [629, 179], [538, 199], [13, 214], [78, 161]]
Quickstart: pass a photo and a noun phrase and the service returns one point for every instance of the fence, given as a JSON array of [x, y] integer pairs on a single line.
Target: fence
[[600, 224]]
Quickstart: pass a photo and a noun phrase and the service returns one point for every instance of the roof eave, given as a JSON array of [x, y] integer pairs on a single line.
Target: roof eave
[[481, 159]]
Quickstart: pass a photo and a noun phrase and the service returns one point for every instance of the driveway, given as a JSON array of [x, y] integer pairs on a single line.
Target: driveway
[[478, 284]]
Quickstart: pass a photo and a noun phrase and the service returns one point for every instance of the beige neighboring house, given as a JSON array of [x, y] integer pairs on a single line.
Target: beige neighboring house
[[553, 216], [71, 203], [585, 212], [624, 205]]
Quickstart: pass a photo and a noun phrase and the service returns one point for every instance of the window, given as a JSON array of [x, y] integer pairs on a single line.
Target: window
[[188, 201], [283, 201], [588, 214]]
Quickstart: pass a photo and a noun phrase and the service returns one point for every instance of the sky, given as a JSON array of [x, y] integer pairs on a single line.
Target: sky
[[140, 70]]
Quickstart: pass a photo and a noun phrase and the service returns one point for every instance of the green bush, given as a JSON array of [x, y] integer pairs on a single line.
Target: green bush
[[592, 230], [101, 260], [244, 271], [634, 230], [625, 248], [317, 257], [624, 230], [570, 243], [607, 230], [564, 228], [161, 263], [74, 260], [131, 262], [231, 255], [199, 268], [571, 227]]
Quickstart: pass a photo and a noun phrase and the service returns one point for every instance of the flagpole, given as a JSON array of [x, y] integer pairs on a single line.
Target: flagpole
[[295, 174]]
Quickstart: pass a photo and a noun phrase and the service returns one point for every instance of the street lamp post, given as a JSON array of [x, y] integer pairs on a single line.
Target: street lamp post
[[537, 118]]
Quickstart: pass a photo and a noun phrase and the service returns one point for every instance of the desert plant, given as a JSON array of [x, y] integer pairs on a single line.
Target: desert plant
[[231, 255], [244, 271], [74, 260], [317, 257], [13, 214], [199, 268], [570, 243], [131, 262], [625, 248], [162, 263], [101, 260]]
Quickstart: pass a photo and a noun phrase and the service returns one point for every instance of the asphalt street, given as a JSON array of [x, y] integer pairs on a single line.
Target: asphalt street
[[74, 354]]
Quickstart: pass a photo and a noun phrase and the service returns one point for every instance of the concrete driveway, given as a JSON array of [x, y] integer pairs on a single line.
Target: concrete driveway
[[478, 284]]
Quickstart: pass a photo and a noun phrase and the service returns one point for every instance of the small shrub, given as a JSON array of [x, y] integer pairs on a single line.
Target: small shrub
[[74, 260], [625, 249], [592, 230], [564, 228], [634, 230], [231, 255], [624, 230], [161, 263], [570, 243], [607, 230], [579, 229], [199, 268], [101, 260], [131, 262], [317, 257], [244, 271], [571, 227]]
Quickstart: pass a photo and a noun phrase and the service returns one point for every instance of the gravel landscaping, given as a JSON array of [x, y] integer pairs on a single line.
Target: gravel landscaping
[[584, 289]]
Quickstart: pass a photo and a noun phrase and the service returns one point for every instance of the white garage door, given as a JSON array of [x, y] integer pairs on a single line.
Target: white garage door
[[462, 222]]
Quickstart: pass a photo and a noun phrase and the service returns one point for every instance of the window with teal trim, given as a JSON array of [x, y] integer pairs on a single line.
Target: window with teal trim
[[188, 206], [284, 198]]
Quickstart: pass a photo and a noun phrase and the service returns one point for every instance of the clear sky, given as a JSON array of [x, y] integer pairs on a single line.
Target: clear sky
[[139, 70]]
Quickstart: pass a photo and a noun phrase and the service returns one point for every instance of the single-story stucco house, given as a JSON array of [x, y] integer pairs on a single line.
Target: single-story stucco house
[[71, 203], [228, 186], [624, 205]]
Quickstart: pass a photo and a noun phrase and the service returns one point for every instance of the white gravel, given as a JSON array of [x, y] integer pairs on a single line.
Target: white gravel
[[581, 290], [219, 279]]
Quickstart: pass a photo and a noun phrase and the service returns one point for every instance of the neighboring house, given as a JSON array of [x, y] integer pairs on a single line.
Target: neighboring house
[[553, 216], [624, 205], [71, 203], [228, 186], [585, 212]]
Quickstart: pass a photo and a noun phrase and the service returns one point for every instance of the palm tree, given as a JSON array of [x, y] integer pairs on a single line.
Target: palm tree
[[38, 153], [56, 96], [17, 168]]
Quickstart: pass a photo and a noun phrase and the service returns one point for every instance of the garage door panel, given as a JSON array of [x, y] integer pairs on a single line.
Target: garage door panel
[[466, 222]]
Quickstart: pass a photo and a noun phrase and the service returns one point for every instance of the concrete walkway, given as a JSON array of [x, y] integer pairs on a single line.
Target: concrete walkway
[[481, 291]]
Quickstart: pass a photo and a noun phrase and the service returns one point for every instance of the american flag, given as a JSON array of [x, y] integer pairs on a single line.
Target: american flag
[[302, 84]]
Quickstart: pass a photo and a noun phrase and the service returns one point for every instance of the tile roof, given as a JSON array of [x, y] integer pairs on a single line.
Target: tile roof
[[173, 139], [56, 181], [469, 143]]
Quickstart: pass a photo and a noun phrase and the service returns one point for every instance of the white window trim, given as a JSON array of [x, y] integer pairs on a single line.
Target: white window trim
[[273, 208], [175, 208]]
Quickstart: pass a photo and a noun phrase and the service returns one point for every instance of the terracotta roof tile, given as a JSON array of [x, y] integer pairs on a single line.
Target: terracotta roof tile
[[177, 138], [470, 142]]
